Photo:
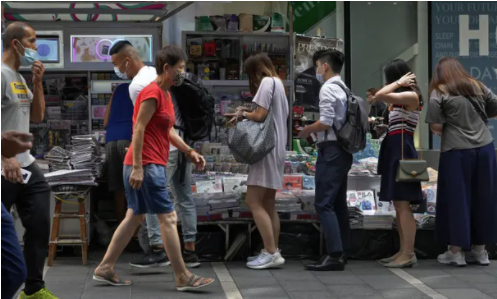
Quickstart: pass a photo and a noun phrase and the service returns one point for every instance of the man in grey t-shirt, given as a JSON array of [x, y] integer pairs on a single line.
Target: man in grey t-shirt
[[30, 194]]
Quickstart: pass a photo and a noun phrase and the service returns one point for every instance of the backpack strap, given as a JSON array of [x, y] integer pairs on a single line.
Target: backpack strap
[[347, 93]]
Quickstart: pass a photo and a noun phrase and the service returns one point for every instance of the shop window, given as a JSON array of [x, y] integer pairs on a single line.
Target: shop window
[[96, 48]]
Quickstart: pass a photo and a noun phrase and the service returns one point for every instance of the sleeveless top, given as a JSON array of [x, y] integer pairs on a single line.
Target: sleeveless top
[[399, 117]]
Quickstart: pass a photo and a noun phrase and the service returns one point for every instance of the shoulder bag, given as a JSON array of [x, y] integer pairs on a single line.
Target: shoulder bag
[[414, 170], [251, 141]]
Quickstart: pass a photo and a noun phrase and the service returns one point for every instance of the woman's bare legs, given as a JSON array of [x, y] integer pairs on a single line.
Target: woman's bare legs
[[119, 241], [270, 206], [254, 201], [408, 229]]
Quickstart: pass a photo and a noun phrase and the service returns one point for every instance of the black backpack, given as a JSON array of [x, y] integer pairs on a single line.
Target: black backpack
[[196, 105], [352, 135]]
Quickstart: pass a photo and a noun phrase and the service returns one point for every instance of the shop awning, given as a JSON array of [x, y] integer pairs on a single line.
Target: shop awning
[[89, 11]]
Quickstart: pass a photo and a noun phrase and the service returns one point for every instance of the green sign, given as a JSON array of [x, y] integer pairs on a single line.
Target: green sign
[[306, 14]]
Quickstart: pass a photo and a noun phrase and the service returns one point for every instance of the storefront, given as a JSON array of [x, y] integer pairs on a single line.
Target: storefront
[[79, 82]]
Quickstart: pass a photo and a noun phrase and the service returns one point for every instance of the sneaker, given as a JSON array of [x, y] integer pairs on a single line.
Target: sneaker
[[191, 259], [253, 258], [453, 259], [155, 259], [478, 258], [41, 294], [266, 260]]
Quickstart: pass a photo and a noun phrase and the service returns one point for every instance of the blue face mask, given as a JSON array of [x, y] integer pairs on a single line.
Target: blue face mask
[[30, 56], [319, 76]]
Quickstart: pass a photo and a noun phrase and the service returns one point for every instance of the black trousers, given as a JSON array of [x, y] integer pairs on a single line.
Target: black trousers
[[32, 201], [332, 168]]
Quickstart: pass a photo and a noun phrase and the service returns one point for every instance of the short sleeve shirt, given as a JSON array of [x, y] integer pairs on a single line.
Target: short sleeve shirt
[[463, 126], [16, 107], [156, 141]]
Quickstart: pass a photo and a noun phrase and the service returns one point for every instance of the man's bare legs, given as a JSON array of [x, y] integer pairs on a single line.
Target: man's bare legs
[[119, 241]]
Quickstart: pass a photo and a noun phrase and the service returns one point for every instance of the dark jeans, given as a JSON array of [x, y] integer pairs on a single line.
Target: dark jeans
[[332, 168], [32, 201], [13, 267]]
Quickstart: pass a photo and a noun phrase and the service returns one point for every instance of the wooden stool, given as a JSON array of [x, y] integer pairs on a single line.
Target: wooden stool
[[82, 239]]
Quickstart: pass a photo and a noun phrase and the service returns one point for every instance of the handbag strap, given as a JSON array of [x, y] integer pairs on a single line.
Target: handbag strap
[[402, 134]]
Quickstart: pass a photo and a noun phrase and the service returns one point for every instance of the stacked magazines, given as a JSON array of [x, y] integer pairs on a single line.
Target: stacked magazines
[[71, 177], [85, 154], [58, 159]]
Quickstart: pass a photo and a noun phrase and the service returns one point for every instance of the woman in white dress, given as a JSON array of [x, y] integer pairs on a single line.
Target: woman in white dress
[[266, 176]]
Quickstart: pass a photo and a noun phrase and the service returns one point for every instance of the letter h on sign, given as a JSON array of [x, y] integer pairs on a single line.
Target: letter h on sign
[[482, 35]]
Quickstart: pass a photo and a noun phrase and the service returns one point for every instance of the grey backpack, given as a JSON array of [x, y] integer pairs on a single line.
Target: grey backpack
[[352, 135], [251, 141]]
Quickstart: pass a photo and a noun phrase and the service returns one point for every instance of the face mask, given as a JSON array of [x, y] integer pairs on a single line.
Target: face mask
[[118, 72], [178, 78], [319, 76], [29, 57]]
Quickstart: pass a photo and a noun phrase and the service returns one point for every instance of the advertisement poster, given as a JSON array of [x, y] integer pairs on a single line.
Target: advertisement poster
[[96, 48], [306, 85], [467, 30]]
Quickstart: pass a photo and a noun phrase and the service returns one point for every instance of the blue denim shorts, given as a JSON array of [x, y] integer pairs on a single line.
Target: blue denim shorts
[[152, 197]]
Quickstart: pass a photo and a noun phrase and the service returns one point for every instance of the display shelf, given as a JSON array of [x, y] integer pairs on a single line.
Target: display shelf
[[235, 33]]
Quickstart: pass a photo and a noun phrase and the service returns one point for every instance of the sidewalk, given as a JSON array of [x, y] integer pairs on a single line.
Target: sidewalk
[[68, 279]]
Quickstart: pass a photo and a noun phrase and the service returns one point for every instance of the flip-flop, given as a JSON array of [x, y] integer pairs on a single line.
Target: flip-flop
[[109, 280], [190, 285]]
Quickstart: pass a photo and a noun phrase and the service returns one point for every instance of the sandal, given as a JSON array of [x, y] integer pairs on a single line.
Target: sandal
[[195, 282], [111, 279]]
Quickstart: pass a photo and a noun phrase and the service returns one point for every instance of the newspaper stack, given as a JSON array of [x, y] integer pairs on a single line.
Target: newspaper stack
[[286, 202], [425, 221], [355, 217], [70, 177], [377, 221], [58, 159], [85, 154]]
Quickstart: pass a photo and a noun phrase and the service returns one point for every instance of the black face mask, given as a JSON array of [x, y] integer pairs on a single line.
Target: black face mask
[[179, 78]]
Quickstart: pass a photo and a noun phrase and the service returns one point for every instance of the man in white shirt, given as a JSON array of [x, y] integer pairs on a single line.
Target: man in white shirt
[[32, 198], [333, 163], [127, 64]]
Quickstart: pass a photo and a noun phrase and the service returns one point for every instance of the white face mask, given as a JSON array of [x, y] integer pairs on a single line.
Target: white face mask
[[118, 72]]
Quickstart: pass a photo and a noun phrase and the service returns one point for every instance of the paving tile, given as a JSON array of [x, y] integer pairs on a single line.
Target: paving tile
[[248, 273], [476, 278], [346, 279], [246, 283], [103, 291], [444, 282], [293, 275], [425, 273], [302, 285], [404, 293], [349, 291], [385, 282], [462, 294], [311, 295], [487, 288], [264, 292]]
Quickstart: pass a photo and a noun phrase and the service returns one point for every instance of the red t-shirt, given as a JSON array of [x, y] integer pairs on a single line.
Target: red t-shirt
[[156, 140]]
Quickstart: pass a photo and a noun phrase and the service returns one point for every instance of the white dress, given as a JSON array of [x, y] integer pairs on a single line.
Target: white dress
[[268, 172]]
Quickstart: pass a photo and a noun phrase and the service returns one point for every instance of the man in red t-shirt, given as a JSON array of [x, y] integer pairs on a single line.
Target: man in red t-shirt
[[145, 172]]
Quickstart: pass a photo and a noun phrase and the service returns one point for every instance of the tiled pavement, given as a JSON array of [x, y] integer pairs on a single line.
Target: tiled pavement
[[362, 279]]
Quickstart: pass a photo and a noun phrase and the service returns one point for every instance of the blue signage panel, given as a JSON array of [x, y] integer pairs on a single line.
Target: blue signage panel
[[467, 30]]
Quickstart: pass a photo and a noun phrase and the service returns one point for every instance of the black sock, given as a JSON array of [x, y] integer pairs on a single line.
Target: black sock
[[336, 255]]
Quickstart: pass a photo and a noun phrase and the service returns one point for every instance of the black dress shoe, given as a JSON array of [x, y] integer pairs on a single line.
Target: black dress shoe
[[327, 263]]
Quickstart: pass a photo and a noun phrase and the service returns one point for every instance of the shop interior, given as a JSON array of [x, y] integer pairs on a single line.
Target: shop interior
[[74, 44]]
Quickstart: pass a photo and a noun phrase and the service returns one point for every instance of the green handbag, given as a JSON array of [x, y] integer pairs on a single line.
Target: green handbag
[[415, 170]]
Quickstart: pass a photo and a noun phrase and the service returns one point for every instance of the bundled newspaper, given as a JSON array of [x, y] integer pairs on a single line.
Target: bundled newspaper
[[58, 159], [85, 154], [70, 177]]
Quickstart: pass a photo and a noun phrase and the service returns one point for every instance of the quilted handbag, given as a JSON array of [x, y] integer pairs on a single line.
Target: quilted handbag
[[411, 170], [251, 141]]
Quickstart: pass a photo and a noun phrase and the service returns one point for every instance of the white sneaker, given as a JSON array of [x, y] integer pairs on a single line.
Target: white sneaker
[[266, 260], [478, 258], [449, 258], [253, 258]]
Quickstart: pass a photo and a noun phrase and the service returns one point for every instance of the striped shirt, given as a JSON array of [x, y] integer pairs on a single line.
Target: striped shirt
[[399, 118]]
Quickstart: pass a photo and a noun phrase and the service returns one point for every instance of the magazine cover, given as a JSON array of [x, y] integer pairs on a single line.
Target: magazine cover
[[235, 184], [366, 202], [211, 186], [306, 85], [292, 182], [351, 198]]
